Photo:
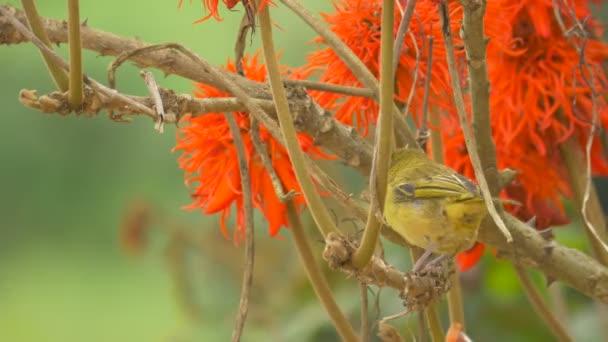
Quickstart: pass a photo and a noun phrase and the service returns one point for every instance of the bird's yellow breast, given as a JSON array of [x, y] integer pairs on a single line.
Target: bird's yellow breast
[[436, 224], [430, 205]]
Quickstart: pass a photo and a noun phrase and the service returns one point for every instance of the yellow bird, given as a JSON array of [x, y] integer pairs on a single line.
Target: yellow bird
[[432, 206]]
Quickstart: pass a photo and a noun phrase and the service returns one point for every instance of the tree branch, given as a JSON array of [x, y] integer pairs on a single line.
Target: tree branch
[[568, 265]]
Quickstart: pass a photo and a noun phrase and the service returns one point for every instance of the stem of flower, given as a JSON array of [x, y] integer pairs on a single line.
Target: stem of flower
[[404, 25], [241, 317], [313, 199], [76, 91], [59, 75], [539, 304], [455, 306], [455, 303], [436, 139], [332, 88], [410, 97], [316, 277], [384, 133], [356, 66], [434, 323]]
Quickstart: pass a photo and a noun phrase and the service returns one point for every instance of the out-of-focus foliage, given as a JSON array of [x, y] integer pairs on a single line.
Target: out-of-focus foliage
[[67, 181]]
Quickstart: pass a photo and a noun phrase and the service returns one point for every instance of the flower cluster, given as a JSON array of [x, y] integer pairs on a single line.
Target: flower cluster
[[541, 95], [209, 159], [358, 24], [545, 88]]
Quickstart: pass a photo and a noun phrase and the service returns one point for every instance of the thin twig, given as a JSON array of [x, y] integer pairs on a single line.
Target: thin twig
[[406, 17], [540, 306], [125, 56], [455, 305], [383, 143], [423, 132], [410, 97], [247, 23], [249, 229], [332, 88], [267, 162], [59, 75], [76, 90], [470, 139], [316, 206], [158, 102]]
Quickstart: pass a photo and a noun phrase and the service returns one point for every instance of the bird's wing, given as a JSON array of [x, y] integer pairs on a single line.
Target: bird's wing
[[455, 186]]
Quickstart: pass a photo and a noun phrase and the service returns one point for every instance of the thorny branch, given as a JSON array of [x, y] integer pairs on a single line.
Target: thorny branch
[[418, 289], [470, 138], [565, 264]]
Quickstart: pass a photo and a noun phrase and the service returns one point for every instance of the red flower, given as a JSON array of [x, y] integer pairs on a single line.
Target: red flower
[[357, 23], [209, 159], [212, 7], [539, 98]]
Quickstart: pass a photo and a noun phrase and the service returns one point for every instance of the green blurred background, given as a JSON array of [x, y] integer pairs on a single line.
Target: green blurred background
[[68, 181]]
